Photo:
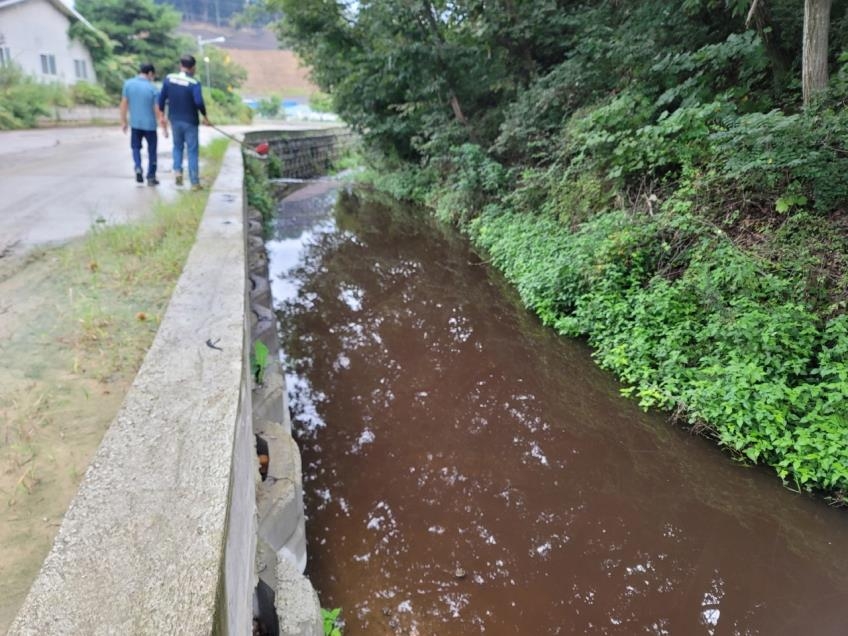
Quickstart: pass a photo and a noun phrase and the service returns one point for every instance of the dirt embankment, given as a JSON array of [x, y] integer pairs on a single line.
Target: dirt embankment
[[273, 72], [270, 70], [55, 404]]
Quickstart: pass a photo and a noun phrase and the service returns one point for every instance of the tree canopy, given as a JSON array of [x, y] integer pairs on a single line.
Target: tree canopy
[[400, 70], [214, 11], [135, 31], [138, 31]]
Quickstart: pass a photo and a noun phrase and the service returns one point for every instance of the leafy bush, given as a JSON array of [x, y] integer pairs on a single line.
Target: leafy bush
[[92, 94], [226, 107], [403, 181], [273, 166], [533, 121], [321, 102], [692, 324], [259, 194], [23, 100], [220, 71], [735, 69], [783, 161], [475, 179], [623, 140], [270, 106]]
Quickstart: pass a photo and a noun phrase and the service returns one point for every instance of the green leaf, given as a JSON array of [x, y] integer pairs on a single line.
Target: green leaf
[[259, 360]]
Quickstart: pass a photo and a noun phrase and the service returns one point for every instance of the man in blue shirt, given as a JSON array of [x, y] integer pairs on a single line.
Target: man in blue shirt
[[139, 97], [183, 95]]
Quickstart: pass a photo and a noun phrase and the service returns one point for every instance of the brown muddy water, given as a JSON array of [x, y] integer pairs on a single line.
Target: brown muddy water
[[467, 471]]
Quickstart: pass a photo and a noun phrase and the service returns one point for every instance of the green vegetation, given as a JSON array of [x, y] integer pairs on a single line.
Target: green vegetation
[[259, 361], [321, 102], [331, 621], [216, 11], [661, 177], [260, 195], [271, 106], [131, 32], [23, 100], [222, 73], [136, 31], [92, 94], [225, 107], [123, 275]]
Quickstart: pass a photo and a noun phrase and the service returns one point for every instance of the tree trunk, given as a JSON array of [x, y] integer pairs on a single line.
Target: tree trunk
[[814, 58], [430, 20], [768, 30]]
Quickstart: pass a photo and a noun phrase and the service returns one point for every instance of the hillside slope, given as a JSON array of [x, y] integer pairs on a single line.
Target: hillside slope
[[273, 72], [270, 70]]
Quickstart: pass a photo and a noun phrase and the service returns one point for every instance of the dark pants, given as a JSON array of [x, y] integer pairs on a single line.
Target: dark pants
[[135, 144]]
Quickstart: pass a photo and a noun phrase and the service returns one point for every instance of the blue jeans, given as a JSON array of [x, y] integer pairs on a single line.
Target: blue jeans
[[185, 134], [135, 143]]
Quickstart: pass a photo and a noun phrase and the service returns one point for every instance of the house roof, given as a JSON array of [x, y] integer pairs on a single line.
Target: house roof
[[60, 6]]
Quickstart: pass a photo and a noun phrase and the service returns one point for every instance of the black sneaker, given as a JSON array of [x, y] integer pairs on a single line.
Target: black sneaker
[[152, 181], [139, 178], [179, 178]]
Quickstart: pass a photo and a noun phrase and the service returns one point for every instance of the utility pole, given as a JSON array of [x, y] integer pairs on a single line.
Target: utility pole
[[200, 43]]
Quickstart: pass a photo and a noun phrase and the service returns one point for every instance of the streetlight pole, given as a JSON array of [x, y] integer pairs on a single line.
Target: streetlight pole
[[200, 43]]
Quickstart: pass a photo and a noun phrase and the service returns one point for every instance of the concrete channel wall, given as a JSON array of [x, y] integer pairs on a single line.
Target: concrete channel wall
[[80, 115], [177, 527], [305, 154]]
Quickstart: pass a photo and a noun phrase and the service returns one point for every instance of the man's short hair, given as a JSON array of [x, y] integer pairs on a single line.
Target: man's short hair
[[188, 61], [146, 68]]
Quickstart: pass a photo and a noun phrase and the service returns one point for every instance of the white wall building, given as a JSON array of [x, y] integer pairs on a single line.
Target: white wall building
[[34, 35]]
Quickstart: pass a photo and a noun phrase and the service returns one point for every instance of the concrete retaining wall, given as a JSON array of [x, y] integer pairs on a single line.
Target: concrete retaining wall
[[305, 154], [80, 114], [287, 604], [173, 530]]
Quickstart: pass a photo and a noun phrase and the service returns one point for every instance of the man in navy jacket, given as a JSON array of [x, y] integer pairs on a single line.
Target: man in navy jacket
[[184, 98]]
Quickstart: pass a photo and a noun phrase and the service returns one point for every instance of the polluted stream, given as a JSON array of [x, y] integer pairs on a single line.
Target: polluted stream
[[467, 471]]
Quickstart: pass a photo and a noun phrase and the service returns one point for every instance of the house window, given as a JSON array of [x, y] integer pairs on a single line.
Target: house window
[[81, 69], [5, 56], [48, 64]]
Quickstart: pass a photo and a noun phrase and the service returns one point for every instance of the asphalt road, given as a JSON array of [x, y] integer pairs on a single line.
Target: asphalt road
[[55, 183]]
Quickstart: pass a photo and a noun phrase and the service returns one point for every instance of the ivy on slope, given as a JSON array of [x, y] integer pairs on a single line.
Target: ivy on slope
[[708, 331]]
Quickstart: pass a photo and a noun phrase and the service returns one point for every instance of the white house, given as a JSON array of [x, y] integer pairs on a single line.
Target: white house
[[34, 35]]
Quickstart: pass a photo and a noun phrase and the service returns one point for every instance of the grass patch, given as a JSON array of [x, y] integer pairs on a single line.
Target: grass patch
[[260, 194], [120, 278]]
